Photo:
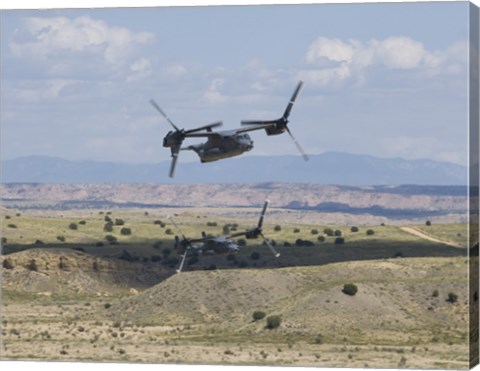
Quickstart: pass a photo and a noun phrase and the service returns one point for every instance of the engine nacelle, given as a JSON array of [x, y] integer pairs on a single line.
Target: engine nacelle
[[275, 130]]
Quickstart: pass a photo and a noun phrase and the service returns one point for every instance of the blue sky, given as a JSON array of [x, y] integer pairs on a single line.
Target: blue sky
[[387, 80]]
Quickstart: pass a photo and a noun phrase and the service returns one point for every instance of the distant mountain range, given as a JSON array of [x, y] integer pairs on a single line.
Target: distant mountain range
[[327, 168]]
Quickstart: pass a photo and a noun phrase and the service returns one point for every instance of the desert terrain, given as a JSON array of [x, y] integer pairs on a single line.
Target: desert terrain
[[69, 292]]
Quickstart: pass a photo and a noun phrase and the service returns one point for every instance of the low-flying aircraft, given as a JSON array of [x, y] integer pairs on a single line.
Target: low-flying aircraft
[[225, 143], [219, 144], [221, 244], [280, 125]]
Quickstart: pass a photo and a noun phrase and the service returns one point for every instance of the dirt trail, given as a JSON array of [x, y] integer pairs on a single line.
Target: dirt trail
[[422, 234]]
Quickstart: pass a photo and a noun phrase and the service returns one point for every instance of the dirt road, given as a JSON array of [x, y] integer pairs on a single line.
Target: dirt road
[[422, 234]]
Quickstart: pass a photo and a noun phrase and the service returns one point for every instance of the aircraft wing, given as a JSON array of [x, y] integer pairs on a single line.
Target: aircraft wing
[[252, 128]]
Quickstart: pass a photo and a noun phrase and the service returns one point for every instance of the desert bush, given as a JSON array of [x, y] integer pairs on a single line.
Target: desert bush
[[168, 231], [287, 244], [258, 315], [125, 231], [242, 242], [7, 264], [158, 222], [318, 339], [61, 238], [155, 258], [39, 242], [354, 229], [32, 265], [119, 221], [12, 226], [4, 240], [277, 228], [321, 238], [73, 226], [254, 255], [111, 239], [82, 222], [108, 227], [328, 231], [370, 232], [296, 230], [157, 245], [226, 229], [338, 232], [339, 241], [212, 224], [428, 223], [350, 289], [314, 231], [452, 298], [435, 293], [108, 219], [273, 322]]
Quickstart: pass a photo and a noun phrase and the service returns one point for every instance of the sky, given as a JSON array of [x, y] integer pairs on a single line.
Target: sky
[[387, 80]]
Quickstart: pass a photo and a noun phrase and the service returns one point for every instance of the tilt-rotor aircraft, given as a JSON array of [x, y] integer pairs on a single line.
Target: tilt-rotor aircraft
[[225, 143], [221, 244]]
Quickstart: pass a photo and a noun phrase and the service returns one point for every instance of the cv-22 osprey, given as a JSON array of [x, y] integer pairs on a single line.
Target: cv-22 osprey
[[225, 143]]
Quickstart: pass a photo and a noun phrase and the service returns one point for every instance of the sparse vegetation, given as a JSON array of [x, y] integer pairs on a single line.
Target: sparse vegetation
[[11, 225], [277, 228], [119, 221], [350, 289], [273, 321], [125, 231], [73, 226], [296, 230], [212, 224], [7, 264], [61, 238], [354, 229], [110, 238], [328, 232], [321, 238], [258, 315], [339, 241], [314, 231], [435, 293], [168, 231], [428, 223], [370, 232], [32, 265], [82, 222], [338, 232], [452, 298]]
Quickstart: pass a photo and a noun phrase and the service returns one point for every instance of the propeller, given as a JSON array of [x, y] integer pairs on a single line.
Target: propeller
[[274, 252], [282, 123], [262, 215], [187, 246], [175, 139]]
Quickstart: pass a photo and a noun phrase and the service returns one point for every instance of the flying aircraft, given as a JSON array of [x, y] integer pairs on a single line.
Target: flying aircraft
[[219, 144], [220, 244], [225, 143], [280, 125]]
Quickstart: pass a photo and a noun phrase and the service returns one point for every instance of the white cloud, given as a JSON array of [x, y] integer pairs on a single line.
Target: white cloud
[[63, 43], [39, 91], [139, 70], [330, 62], [213, 95]]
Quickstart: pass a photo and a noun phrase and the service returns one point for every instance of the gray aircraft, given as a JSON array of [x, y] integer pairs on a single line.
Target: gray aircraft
[[219, 144], [225, 143], [220, 244]]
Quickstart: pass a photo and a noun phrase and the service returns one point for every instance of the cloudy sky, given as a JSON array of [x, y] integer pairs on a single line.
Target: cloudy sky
[[387, 80]]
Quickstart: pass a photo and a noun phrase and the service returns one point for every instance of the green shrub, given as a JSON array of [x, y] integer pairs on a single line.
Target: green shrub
[[277, 228], [338, 232], [125, 231], [168, 231], [354, 229], [435, 293], [350, 289], [370, 232], [39, 242], [296, 230], [82, 222], [7, 264], [108, 219], [73, 226], [32, 265], [111, 239], [321, 238], [226, 229], [119, 221], [212, 224], [287, 244], [12, 226], [328, 231], [273, 322], [242, 242], [452, 298], [254, 255], [61, 238], [428, 223], [258, 315], [108, 227], [314, 231], [339, 241]]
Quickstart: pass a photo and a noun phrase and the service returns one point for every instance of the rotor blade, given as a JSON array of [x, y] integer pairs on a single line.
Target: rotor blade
[[205, 127], [183, 259], [292, 100], [304, 155], [258, 122], [173, 164], [262, 215], [179, 231], [157, 107], [277, 254]]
